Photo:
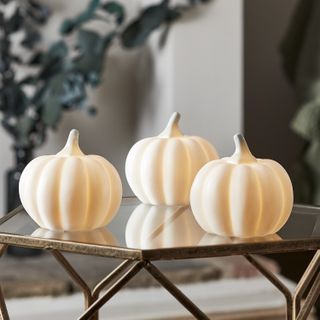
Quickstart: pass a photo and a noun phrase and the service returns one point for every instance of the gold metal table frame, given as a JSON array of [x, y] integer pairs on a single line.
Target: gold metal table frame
[[299, 303]]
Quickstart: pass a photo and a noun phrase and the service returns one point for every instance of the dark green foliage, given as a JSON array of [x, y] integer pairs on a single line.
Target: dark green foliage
[[70, 24], [64, 73], [150, 19], [14, 100], [53, 61], [15, 22], [116, 9], [32, 37], [37, 12], [92, 49]]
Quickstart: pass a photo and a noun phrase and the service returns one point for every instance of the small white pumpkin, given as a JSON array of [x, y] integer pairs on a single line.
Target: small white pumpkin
[[70, 190], [160, 170], [242, 196], [152, 227]]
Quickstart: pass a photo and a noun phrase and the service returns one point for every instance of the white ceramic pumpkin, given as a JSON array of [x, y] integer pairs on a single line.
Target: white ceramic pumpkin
[[241, 196], [70, 190], [152, 227], [160, 170]]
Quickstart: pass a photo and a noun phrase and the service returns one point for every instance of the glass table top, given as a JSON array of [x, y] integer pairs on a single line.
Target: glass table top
[[161, 232]]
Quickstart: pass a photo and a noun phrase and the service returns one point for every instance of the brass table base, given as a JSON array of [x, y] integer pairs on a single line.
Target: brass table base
[[309, 285]]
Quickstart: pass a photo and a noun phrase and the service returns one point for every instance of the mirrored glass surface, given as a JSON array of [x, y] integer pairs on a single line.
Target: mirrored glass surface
[[140, 226]]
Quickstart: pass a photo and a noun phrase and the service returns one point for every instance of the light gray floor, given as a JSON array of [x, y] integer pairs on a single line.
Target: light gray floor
[[221, 296]]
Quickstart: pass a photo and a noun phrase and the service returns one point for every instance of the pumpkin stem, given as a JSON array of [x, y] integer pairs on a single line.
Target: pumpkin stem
[[242, 152], [72, 146], [172, 129]]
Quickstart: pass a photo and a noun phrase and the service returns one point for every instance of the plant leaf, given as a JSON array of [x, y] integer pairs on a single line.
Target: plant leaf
[[36, 58], [73, 93], [15, 22], [13, 100], [51, 111], [137, 32], [90, 61], [54, 60], [51, 104], [32, 37], [38, 12], [69, 25], [28, 80], [164, 36], [115, 8], [24, 125]]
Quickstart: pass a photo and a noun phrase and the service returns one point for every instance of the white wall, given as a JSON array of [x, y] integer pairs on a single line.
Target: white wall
[[198, 73]]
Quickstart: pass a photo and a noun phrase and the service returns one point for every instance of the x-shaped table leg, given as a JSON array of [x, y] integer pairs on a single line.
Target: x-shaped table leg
[[112, 290], [92, 296], [171, 288], [294, 309], [155, 273], [312, 272]]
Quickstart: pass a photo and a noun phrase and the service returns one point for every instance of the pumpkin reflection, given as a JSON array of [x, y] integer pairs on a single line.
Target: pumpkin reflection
[[212, 239], [152, 227], [97, 236]]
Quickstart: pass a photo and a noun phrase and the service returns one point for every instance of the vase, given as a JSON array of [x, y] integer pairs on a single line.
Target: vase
[[22, 156]]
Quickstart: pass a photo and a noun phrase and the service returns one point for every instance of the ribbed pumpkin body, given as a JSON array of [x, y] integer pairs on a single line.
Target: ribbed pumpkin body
[[160, 170], [70, 191], [250, 198], [160, 226]]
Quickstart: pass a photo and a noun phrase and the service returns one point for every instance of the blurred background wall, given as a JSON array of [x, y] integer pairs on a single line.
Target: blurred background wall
[[198, 73], [269, 101]]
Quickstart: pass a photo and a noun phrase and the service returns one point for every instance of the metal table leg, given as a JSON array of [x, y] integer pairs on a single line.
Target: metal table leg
[[75, 276], [305, 280], [91, 295], [116, 273], [128, 275], [125, 276], [116, 287], [4, 315], [310, 300], [276, 282], [294, 309], [169, 286]]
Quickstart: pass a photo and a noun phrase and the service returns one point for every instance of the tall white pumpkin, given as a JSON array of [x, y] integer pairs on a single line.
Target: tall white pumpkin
[[160, 170], [70, 190], [242, 196]]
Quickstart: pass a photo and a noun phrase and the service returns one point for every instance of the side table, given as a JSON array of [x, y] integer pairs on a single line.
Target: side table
[[173, 236]]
